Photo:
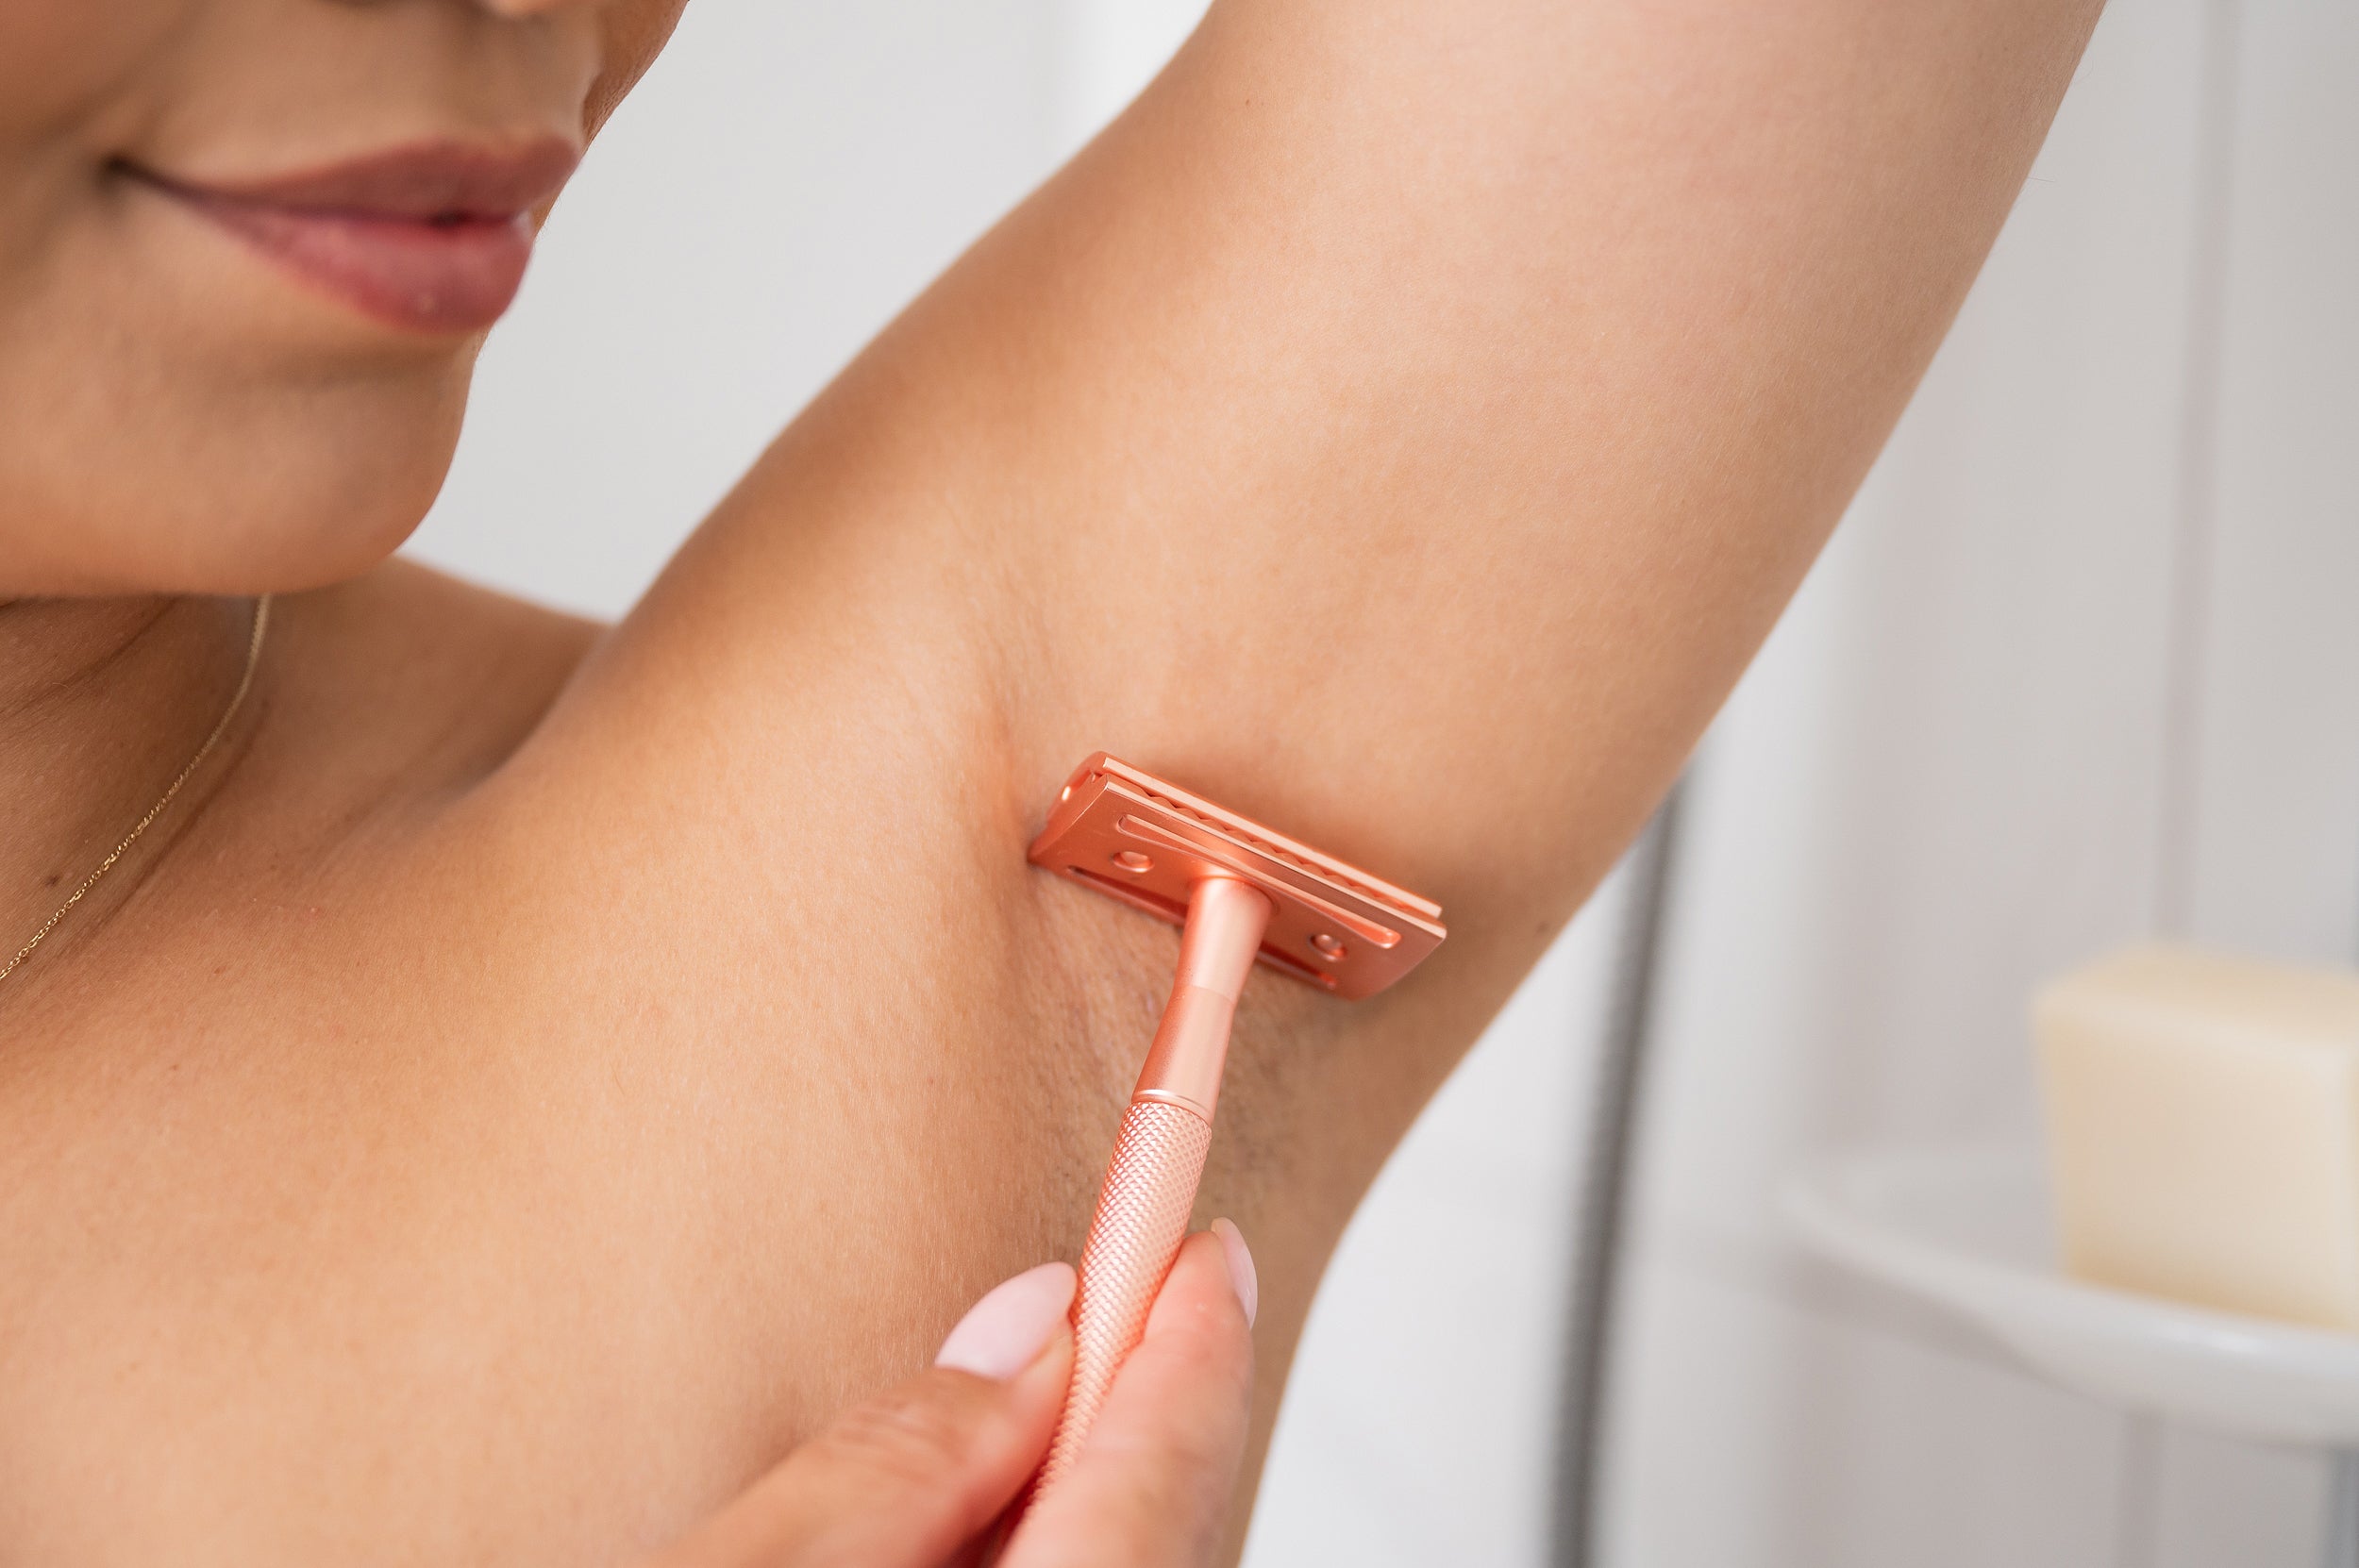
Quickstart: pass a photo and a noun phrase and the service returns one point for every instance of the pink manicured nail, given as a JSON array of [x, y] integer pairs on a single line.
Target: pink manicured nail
[[1241, 1276], [1002, 1333]]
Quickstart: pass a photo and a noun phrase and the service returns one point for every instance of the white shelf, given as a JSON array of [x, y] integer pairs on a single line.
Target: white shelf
[[1968, 1231]]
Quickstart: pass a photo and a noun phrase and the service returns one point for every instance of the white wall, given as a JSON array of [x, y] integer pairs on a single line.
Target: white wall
[[785, 179], [2080, 666]]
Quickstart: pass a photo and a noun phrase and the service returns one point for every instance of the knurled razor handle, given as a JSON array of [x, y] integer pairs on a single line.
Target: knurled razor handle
[[1142, 1218]]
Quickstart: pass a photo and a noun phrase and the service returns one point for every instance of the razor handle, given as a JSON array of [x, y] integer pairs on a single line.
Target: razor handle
[[1142, 1218], [1150, 1190]]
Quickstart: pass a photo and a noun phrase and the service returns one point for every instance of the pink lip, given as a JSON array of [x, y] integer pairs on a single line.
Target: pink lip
[[431, 238]]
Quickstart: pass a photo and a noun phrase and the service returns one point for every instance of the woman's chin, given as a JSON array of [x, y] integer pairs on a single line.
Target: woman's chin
[[281, 528]]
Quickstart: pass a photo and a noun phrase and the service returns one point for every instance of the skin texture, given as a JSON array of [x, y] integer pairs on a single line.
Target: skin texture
[[541, 1072]]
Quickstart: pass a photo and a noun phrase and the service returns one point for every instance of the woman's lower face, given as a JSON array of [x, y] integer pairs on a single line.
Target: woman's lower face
[[249, 250]]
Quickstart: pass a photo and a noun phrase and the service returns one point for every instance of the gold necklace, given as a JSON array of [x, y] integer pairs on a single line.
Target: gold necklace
[[245, 683]]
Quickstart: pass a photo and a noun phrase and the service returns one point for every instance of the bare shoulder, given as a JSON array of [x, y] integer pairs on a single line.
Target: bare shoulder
[[407, 679]]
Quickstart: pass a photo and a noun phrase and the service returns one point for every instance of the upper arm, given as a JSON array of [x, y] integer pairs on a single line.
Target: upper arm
[[1402, 425], [1405, 422]]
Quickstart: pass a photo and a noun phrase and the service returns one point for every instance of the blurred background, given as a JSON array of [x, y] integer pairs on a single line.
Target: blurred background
[[2081, 665]]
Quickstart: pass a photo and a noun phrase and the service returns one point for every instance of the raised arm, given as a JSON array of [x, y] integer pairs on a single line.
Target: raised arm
[[1402, 425], [1409, 418]]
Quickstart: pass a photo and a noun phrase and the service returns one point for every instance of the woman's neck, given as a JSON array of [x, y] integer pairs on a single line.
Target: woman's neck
[[102, 702]]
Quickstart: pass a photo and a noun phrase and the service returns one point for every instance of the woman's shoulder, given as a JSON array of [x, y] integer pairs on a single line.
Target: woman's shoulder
[[410, 682]]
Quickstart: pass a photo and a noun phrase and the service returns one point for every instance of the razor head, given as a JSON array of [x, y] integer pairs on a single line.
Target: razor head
[[1120, 830]]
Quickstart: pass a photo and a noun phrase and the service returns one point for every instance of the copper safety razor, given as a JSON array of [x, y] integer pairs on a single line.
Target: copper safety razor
[[1240, 892]]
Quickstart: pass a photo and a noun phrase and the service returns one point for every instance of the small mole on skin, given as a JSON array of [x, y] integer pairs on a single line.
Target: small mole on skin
[[55, 877]]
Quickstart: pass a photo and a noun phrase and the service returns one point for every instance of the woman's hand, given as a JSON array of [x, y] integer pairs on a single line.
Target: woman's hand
[[918, 1477]]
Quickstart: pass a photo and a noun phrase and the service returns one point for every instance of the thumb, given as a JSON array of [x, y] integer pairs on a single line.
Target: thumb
[[1152, 1486], [907, 1478]]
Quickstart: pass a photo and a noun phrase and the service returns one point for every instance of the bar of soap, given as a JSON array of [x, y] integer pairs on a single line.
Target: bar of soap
[[2204, 1130]]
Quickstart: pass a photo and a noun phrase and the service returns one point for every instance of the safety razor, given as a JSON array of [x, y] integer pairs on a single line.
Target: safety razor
[[1240, 892]]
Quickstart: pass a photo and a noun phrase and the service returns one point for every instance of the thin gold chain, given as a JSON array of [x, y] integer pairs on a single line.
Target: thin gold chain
[[221, 727]]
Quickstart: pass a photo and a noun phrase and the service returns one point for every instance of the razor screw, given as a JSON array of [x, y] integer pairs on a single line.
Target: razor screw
[[1130, 859], [1329, 945]]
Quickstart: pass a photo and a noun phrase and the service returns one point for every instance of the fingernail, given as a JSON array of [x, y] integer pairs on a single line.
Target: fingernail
[[1004, 1332], [1241, 1276]]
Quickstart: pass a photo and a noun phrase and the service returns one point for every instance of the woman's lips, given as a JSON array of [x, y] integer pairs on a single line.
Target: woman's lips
[[430, 276], [432, 239]]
